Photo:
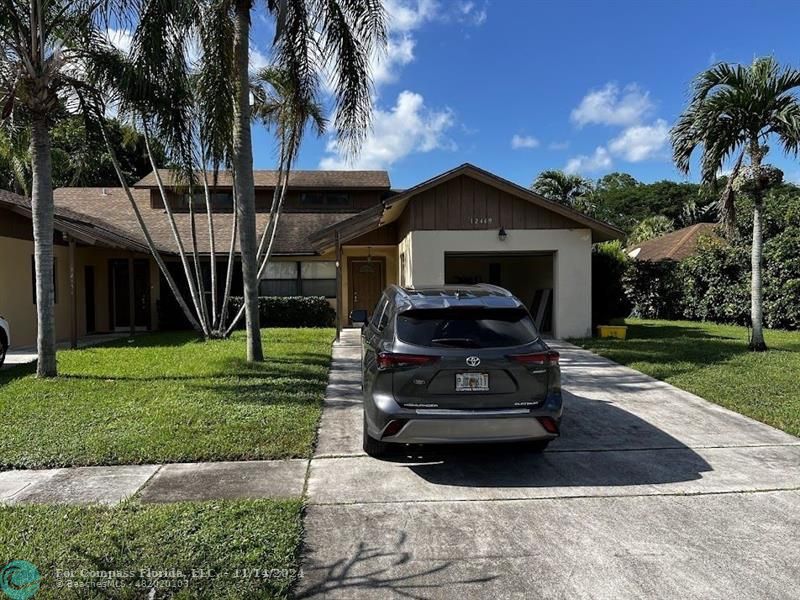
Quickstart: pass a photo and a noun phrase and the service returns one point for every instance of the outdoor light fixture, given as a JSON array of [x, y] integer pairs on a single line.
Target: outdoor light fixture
[[502, 234]]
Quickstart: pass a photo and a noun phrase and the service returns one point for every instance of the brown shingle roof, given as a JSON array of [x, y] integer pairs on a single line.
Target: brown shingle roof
[[676, 245], [112, 206], [88, 228], [297, 179]]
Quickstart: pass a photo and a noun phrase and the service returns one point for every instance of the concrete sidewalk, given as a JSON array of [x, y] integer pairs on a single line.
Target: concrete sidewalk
[[27, 354], [155, 483], [651, 492]]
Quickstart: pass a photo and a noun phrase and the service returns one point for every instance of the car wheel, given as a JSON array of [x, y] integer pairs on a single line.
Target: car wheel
[[373, 447], [537, 446]]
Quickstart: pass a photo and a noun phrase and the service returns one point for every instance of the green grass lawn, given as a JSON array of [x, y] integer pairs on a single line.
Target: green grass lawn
[[167, 397], [232, 549], [713, 361]]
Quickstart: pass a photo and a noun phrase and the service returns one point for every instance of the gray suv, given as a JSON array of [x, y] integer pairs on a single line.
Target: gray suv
[[456, 364]]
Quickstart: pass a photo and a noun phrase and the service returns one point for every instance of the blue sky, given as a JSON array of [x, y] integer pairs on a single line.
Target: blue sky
[[592, 87]]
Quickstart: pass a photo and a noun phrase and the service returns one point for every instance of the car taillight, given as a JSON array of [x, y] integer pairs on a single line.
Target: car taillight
[[537, 358], [389, 360]]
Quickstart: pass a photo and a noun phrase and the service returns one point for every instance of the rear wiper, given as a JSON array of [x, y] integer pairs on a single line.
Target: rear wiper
[[456, 342]]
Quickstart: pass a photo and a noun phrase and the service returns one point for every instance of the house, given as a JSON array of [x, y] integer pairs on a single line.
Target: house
[[675, 245], [345, 235]]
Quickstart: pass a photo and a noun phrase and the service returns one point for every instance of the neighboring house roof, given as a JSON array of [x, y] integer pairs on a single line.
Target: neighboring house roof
[[392, 207], [676, 245], [112, 205], [297, 179], [89, 229]]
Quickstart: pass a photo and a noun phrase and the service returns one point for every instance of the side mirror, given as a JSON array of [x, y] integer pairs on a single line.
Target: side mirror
[[358, 316]]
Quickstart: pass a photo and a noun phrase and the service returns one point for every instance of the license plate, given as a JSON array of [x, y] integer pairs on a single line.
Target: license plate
[[472, 382]]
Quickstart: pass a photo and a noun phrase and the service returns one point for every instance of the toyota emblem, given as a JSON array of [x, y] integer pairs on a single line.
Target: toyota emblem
[[473, 361]]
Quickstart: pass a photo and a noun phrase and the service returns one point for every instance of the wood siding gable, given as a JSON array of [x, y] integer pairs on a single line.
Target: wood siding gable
[[464, 203]]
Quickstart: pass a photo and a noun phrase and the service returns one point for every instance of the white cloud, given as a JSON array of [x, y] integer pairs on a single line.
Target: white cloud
[[640, 142], [385, 66], [409, 126], [121, 39], [523, 141], [471, 13], [598, 161], [258, 60], [558, 145], [404, 16], [609, 106]]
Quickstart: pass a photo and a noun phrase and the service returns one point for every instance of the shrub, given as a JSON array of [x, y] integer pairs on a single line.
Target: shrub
[[715, 282], [289, 311], [609, 263], [653, 289], [782, 280]]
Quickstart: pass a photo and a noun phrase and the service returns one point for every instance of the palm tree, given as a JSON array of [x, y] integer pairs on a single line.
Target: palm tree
[[734, 111], [42, 47], [562, 187], [313, 40], [274, 106]]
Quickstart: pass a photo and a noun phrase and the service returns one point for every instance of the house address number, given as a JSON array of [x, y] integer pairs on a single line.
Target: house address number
[[480, 220]]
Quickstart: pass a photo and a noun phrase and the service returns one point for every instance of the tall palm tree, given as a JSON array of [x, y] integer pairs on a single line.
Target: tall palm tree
[[313, 40], [734, 111], [273, 91], [43, 45], [562, 187]]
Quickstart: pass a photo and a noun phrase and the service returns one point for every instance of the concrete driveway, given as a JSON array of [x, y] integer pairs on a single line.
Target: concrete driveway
[[651, 492]]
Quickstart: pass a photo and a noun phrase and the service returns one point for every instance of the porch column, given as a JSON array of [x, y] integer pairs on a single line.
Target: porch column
[[131, 296], [339, 304], [73, 297]]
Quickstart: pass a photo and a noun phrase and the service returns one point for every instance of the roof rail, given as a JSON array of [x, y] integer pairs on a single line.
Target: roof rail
[[494, 288]]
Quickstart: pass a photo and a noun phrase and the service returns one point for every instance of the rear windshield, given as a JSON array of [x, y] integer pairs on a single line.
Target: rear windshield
[[466, 327]]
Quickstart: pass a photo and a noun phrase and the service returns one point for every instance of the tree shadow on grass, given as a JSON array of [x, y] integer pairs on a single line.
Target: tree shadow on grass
[[668, 356], [308, 366], [11, 372]]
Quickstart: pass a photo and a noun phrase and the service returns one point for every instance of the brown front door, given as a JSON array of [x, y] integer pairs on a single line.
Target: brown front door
[[367, 280]]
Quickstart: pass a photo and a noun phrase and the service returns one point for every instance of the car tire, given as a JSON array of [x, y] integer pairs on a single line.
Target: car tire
[[3, 350], [373, 447], [537, 446]]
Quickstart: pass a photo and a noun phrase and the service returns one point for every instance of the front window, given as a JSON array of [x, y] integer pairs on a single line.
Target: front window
[[325, 199], [466, 327], [293, 278]]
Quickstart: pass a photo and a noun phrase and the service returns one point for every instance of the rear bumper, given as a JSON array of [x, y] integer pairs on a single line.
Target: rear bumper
[[469, 430]]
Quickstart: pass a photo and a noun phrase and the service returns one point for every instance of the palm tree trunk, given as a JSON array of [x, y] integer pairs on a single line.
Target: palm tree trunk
[[756, 292], [264, 253], [243, 168], [223, 312], [175, 234], [212, 250], [42, 207], [148, 238], [198, 269]]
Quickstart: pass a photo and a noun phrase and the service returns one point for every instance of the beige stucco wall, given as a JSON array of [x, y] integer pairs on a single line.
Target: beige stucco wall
[[572, 269], [16, 290]]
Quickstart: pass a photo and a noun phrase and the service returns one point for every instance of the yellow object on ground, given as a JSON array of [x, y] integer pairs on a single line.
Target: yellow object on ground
[[612, 331]]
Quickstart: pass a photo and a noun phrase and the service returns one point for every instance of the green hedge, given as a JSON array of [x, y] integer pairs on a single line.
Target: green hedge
[[289, 311], [609, 264], [654, 289]]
